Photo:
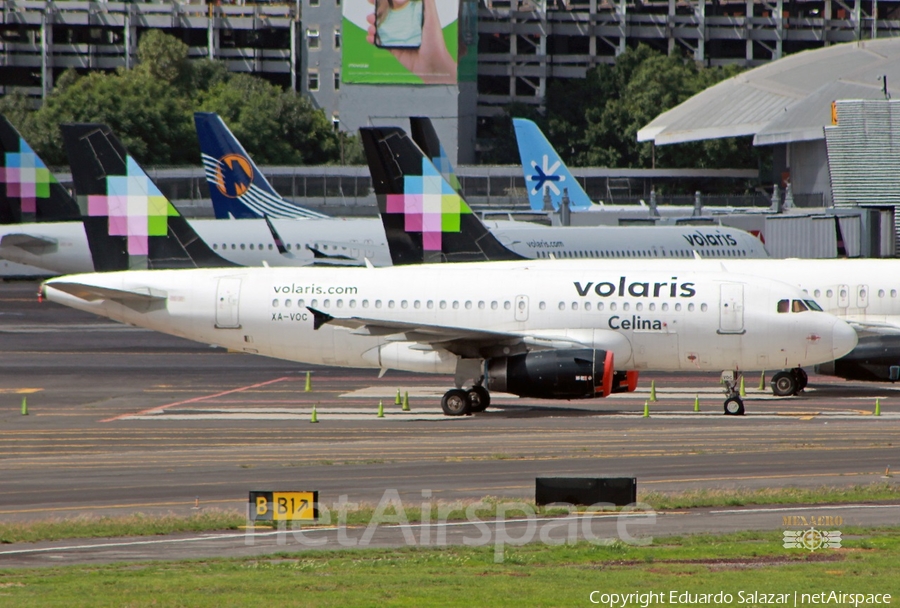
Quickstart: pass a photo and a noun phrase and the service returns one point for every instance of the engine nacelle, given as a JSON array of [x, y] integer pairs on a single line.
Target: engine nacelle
[[875, 359], [554, 374]]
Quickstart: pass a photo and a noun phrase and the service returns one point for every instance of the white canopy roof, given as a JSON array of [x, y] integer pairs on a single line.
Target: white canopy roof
[[785, 100]]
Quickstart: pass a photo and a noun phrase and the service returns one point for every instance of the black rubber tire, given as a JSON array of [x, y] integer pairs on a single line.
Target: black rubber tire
[[801, 377], [455, 403], [784, 384], [479, 399], [734, 406]]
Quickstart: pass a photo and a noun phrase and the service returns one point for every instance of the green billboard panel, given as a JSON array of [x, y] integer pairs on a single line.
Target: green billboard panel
[[409, 41]]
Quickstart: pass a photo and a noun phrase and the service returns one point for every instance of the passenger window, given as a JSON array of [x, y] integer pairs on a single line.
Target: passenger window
[[507, 305], [468, 305], [417, 305], [652, 306], [430, 304], [599, 306], [626, 306], [574, 305], [326, 303], [542, 306], [455, 304], [798, 306], [639, 306], [352, 303], [817, 293], [390, 303], [494, 305], [691, 307], [365, 303], [612, 306], [562, 305], [703, 308], [377, 303], [340, 303], [480, 305], [443, 304], [880, 293], [314, 303], [403, 304], [287, 303], [783, 305], [829, 294], [587, 305], [678, 306], [665, 307], [275, 303], [300, 303]]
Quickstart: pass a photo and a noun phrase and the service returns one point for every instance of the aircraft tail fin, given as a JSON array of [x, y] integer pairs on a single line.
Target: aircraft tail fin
[[29, 192], [236, 185], [424, 135], [129, 223], [545, 172], [425, 219]]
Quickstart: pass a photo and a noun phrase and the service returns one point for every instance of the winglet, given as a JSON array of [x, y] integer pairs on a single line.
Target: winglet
[[542, 167], [319, 318]]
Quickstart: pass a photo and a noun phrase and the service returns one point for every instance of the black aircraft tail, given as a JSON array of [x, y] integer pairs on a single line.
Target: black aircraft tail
[[425, 219], [28, 191], [130, 225]]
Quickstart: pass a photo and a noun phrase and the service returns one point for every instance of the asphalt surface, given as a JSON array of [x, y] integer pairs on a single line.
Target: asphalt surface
[[122, 420]]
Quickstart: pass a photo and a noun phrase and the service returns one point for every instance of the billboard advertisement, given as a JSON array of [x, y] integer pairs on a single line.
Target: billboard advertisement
[[409, 41]]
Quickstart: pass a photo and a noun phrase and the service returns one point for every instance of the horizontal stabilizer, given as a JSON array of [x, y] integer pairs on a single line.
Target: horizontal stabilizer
[[36, 245], [138, 299]]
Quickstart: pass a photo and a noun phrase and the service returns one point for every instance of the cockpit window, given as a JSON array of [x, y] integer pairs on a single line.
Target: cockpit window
[[784, 305], [798, 306], [813, 305]]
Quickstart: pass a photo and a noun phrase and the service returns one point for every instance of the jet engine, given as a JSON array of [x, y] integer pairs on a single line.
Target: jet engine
[[558, 374], [875, 359]]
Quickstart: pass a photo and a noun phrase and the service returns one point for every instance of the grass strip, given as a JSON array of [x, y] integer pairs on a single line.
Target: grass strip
[[530, 575], [216, 519]]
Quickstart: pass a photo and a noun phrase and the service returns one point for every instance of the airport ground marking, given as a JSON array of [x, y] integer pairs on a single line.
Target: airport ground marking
[[161, 408]]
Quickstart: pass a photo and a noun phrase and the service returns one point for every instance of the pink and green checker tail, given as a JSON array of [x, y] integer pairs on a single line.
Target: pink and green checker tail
[[28, 190], [425, 219], [129, 223]]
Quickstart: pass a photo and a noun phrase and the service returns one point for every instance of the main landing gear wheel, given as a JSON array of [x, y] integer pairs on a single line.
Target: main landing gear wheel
[[801, 377], [479, 399], [785, 384], [455, 402], [734, 406]]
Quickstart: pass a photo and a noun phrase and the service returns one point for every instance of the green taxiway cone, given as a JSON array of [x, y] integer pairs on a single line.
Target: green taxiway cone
[[314, 417], [24, 407], [762, 381], [653, 390], [646, 409], [405, 401], [381, 408], [308, 383], [397, 398], [742, 391], [877, 406], [697, 403]]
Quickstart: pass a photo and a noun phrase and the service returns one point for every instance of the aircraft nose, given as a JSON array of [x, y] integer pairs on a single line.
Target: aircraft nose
[[843, 338]]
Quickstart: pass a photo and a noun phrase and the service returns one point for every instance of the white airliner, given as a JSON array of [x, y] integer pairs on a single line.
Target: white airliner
[[545, 329]]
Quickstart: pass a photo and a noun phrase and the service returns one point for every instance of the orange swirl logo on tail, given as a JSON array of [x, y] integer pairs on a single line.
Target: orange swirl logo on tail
[[233, 175]]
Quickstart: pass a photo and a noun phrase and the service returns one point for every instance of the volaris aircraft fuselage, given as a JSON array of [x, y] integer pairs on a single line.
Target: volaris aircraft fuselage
[[488, 321]]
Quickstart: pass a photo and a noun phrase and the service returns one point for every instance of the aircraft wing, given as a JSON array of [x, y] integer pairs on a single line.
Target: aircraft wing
[[30, 243], [458, 340], [874, 328], [141, 299]]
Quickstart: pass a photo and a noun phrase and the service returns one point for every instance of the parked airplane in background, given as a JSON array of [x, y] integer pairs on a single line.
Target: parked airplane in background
[[545, 329], [237, 187], [56, 241]]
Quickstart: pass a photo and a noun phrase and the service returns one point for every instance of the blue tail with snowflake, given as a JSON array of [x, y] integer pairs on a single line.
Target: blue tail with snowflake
[[546, 175]]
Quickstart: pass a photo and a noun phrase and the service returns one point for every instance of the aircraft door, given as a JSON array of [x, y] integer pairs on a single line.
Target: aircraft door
[[862, 296], [228, 297], [731, 308], [521, 308]]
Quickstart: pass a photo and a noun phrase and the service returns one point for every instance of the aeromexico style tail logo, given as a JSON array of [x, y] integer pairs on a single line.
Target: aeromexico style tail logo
[[26, 177], [234, 175], [429, 205], [135, 207]]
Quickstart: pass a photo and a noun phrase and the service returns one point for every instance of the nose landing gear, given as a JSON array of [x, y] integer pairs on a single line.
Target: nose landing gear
[[734, 405]]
